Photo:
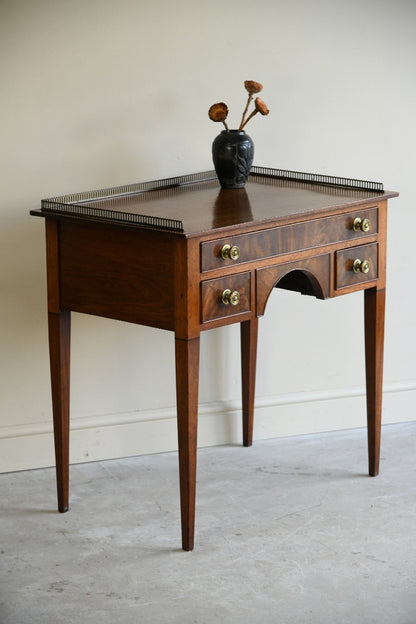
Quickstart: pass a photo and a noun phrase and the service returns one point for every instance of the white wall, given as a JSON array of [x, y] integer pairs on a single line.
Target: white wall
[[99, 93]]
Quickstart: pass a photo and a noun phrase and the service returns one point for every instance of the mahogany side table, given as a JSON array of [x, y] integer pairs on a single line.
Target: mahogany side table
[[184, 255]]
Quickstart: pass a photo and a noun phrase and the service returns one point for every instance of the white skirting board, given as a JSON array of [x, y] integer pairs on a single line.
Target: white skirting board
[[154, 431]]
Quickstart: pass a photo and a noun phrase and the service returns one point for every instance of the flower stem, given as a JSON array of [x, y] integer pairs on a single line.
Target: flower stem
[[226, 127], [250, 97], [247, 120]]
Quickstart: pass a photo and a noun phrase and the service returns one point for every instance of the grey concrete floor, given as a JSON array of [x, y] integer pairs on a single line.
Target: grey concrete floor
[[288, 531]]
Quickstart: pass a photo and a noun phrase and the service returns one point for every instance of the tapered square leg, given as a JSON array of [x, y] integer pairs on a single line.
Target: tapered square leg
[[59, 349], [187, 379], [374, 312], [249, 332]]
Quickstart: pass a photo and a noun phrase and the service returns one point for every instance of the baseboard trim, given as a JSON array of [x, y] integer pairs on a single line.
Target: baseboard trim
[[110, 436]]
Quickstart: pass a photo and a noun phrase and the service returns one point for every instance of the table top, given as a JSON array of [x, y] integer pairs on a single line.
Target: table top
[[196, 204]]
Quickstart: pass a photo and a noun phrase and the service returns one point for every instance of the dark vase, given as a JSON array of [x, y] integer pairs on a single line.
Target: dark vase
[[232, 153]]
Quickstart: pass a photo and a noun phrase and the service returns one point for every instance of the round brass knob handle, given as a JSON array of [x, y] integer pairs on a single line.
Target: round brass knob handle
[[360, 266], [231, 252], [230, 297], [361, 224], [365, 225]]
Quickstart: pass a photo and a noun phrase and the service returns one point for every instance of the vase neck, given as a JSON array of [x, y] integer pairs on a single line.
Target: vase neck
[[233, 131]]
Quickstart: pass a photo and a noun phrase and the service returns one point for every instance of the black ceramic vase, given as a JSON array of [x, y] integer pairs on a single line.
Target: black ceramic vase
[[232, 153]]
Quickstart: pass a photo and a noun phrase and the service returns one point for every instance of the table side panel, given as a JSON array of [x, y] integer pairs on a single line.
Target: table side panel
[[52, 264], [115, 273]]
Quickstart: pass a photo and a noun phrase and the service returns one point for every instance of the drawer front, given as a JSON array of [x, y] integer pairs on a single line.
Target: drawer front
[[212, 292], [352, 267], [288, 238]]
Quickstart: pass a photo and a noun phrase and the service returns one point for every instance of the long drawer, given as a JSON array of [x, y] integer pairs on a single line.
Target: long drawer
[[280, 240]]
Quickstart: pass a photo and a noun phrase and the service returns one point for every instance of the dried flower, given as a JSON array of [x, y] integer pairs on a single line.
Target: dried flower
[[219, 111], [252, 86], [261, 106]]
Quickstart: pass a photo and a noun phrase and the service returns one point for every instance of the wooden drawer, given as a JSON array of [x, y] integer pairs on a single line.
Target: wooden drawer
[[212, 305], [286, 239], [346, 275]]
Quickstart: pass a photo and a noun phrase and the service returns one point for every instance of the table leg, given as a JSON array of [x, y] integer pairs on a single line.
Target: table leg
[[249, 331], [187, 379], [374, 306], [59, 350]]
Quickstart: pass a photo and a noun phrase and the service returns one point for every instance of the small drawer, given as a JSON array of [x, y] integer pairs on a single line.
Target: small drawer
[[284, 239], [227, 296], [356, 265]]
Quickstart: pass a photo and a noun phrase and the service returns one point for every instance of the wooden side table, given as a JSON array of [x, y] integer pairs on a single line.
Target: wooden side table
[[184, 255]]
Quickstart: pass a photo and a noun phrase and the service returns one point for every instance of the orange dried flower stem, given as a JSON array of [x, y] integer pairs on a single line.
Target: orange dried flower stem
[[255, 111], [243, 123]]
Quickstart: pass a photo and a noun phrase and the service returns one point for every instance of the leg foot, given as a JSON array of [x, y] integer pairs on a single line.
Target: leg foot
[[59, 348], [249, 332], [187, 377], [374, 311]]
